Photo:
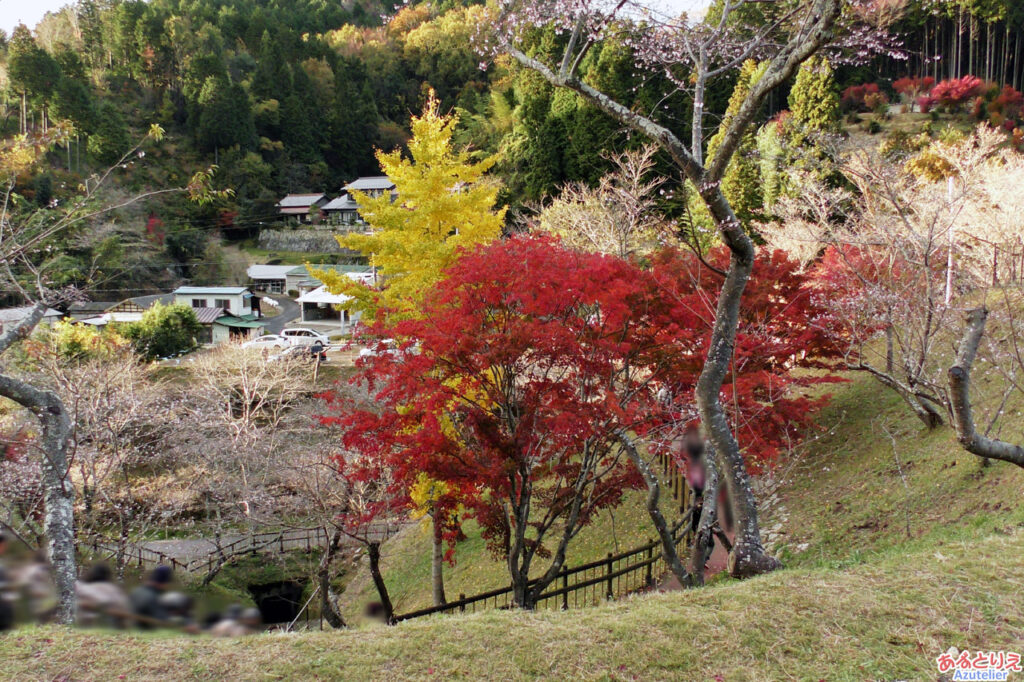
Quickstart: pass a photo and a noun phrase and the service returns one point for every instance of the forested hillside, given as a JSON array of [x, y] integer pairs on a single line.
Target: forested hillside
[[296, 97]]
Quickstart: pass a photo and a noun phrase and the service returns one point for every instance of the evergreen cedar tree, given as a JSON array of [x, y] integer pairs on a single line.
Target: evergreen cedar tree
[[528, 354]]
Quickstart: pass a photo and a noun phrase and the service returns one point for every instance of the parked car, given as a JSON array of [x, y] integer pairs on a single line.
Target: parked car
[[268, 341], [390, 347], [301, 352], [301, 336], [290, 352]]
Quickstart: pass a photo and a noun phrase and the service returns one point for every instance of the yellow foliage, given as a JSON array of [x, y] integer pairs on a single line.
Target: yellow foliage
[[444, 202]]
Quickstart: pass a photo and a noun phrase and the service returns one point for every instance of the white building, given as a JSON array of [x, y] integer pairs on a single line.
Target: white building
[[233, 300], [270, 278], [10, 317]]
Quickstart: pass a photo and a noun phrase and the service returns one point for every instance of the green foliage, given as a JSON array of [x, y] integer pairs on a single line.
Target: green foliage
[[30, 69], [771, 152], [43, 185], [814, 99], [109, 141], [740, 184], [77, 342], [226, 118], [164, 331]]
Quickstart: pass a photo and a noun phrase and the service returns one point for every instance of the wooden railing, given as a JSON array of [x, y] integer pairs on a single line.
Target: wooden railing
[[106, 550], [305, 539]]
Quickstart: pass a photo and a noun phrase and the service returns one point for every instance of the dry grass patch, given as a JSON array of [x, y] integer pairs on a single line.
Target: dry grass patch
[[879, 622]]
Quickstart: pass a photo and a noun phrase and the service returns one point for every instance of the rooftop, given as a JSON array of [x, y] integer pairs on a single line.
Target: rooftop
[[368, 183], [300, 200], [269, 271], [208, 315], [19, 313], [343, 203], [229, 291], [322, 295]]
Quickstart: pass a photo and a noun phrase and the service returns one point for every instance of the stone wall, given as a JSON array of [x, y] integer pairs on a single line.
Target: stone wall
[[304, 240]]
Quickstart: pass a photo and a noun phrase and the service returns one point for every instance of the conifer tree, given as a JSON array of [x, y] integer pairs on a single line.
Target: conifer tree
[[814, 99], [741, 184]]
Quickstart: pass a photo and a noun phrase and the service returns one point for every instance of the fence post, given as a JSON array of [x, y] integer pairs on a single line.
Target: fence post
[[462, 602], [565, 588], [608, 572], [650, 563]]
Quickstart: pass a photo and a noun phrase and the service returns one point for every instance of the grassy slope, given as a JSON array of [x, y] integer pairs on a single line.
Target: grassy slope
[[859, 600], [406, 559], [848, 502], [885, 620]]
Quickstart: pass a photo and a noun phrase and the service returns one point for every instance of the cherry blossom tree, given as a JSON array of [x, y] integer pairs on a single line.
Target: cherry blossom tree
[[691, 54]]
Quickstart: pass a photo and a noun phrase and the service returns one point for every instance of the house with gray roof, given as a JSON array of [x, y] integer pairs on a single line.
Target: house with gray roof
[[300, 207]]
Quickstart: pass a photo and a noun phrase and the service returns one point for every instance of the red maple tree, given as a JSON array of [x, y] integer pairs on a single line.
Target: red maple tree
[[529, 362]]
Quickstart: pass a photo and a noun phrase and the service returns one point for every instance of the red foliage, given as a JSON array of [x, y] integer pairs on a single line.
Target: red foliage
[[911, 87], [155, 229], [226, 219], [854, 97], [953, 93], [1009, 102], [529, 359]]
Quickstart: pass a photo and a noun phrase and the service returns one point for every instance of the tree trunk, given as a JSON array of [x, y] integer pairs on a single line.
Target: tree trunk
[[748, 556], [328, 606], [58, 520], [59, 516], [959, 389], [378, 581], [668, 543], [703, 539], [437, 568]]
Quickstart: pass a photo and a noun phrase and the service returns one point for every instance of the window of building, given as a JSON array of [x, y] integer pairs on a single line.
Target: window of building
[[224, 303], [198, 302]]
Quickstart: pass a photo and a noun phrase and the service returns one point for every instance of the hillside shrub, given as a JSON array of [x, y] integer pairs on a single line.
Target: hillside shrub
[[164, 331]]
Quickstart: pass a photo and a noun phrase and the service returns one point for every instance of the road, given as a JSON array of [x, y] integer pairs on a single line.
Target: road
[[289, 311]]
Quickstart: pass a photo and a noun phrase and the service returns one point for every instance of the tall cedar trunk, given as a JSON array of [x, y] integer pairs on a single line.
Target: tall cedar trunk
[[378, 581], [437, 567]]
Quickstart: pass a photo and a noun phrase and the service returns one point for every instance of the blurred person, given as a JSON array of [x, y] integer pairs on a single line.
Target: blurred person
[[6, 602], [178, 606], [247, 622], [145, 599], [100, 600], [36, 579]]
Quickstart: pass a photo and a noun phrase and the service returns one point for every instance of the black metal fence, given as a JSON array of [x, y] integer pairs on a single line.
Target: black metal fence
[[585, 585], [594, 582]]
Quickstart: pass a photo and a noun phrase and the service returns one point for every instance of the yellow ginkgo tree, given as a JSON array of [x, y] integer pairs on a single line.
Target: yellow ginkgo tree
[[443, 201]]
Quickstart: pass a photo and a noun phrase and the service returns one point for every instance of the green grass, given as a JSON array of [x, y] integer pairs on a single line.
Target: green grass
[[880, 621], [847, 501], [406, 558]]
